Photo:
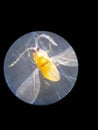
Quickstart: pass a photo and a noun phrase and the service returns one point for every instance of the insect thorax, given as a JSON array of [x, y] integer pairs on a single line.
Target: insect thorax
[[41, 58]]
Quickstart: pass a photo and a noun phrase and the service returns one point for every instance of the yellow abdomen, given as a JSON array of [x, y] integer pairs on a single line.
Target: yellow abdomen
[[47, 68]]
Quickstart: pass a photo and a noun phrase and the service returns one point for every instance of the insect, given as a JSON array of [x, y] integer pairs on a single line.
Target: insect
[[46, 65]]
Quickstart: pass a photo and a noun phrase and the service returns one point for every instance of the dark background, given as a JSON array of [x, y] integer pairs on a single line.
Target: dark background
[[67, 20]]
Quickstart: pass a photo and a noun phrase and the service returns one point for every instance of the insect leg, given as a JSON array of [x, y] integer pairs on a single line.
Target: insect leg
[[21, 55], [46, 82], [30, 58], [58, 95]]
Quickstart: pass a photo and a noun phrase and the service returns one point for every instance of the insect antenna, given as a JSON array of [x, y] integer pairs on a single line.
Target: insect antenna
[[47, 37], [21, 55]]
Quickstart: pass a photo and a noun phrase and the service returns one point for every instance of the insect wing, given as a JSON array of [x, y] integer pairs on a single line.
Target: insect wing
[[29, 89], [67, 58]]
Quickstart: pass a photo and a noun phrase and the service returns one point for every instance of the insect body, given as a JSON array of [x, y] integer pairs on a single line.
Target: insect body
[[46, 66]]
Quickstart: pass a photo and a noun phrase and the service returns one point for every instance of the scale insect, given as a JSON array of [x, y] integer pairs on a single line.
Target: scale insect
[[46, 65]]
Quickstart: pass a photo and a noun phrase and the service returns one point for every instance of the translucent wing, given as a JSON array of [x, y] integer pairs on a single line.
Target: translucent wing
[[29, 89], [66, 57]]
